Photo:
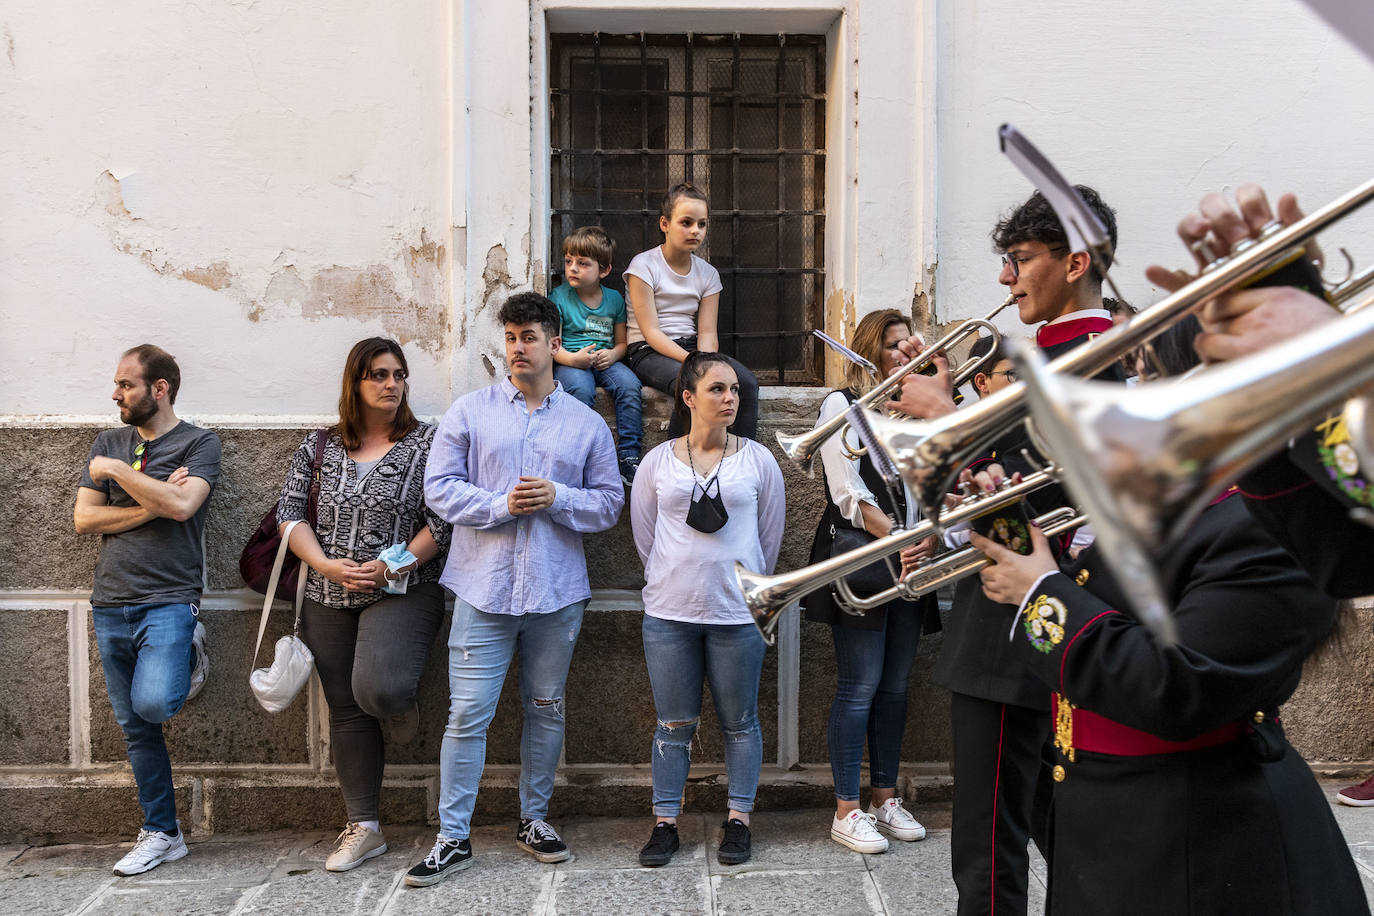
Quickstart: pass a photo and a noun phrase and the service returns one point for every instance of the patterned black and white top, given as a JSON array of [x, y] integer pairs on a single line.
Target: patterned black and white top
[[359, 518]]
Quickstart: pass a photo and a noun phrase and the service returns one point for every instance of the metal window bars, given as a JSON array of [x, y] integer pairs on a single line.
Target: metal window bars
[[740, 116]]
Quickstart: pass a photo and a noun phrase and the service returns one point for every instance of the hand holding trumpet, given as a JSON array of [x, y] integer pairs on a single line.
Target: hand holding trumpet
[[923, 396], [1010, 575], [1244, 321]]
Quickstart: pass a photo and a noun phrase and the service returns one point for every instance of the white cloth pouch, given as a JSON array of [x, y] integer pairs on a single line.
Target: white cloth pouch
[[277, 685]]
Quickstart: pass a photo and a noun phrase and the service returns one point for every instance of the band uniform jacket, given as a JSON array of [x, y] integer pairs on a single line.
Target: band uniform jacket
[[1201, 805], [975, 658], [1303, 496]]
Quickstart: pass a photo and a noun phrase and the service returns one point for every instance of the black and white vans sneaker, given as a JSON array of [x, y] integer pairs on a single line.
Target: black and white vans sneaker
[[446, 857], [540, 840]]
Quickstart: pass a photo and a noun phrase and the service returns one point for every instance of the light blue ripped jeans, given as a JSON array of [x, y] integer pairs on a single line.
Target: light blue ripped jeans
[[480, 649], [680, 655]]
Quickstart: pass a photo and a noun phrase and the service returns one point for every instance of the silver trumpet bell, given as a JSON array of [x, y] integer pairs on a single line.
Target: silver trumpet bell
[[1144, 462]]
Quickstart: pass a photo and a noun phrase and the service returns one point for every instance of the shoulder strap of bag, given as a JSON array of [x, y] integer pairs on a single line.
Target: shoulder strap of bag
[[312, 499], [272, 587]]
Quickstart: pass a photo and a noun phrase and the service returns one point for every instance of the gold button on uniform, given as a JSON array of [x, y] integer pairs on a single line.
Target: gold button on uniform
[[1082, 577], [1058, 773], [1258, 717]]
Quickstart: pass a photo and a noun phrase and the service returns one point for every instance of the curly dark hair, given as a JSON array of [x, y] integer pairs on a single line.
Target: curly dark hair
[[531, 308], [1035, 221]]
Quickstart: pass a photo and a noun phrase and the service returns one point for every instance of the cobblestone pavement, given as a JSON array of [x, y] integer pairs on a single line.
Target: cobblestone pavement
[[796, 869]]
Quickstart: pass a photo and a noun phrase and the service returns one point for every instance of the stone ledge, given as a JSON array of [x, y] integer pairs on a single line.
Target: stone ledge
[[53, 807]]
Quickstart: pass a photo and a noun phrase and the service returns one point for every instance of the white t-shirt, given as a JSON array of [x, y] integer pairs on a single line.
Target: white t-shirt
[[690, 575], [676, 297]]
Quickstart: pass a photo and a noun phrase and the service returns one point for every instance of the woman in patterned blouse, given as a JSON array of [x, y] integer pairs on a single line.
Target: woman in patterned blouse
[[370, 627]]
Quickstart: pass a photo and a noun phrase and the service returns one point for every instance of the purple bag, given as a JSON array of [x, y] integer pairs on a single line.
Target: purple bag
[[259, 554]]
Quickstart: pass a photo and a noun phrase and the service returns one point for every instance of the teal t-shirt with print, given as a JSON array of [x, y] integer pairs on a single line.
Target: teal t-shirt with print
[[583, 326]]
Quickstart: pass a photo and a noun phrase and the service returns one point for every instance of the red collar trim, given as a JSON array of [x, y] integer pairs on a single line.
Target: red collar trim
[[1049, 335]]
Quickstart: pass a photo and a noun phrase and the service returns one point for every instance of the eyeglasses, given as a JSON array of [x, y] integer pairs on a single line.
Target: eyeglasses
[[1015, 261], [1011, 374], [140, 451], [381, 375]]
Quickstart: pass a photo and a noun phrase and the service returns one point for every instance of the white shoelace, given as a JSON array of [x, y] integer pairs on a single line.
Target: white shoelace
[[432, 860], [863, 826], [897, 815], [539, 831]]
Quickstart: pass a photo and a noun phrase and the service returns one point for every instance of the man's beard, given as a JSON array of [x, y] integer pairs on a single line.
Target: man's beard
[[140, 412]]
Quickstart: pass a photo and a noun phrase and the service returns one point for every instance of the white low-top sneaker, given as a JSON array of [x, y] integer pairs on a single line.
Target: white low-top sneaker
[[894, 820], [151, 849], [357, 844], [856, 831]]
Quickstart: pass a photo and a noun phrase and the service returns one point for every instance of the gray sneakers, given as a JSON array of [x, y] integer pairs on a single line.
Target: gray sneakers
[[151, 849], [200, 662]]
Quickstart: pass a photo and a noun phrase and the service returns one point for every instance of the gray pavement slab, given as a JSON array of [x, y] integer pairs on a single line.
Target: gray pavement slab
[[796, 869]]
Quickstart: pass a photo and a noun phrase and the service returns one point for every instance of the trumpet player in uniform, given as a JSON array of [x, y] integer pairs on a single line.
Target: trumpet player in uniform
[[1175, 790], [1303, 494], [874, 651], [999, 720]]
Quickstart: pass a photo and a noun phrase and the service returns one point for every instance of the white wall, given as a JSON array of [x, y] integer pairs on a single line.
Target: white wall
[[1153, 104], [256, 186], [253, 186]]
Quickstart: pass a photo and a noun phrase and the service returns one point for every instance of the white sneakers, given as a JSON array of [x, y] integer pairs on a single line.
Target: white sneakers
[[200, 662], [857, 832], [357, 844], [860, 830], [151, 849], [894, 820]]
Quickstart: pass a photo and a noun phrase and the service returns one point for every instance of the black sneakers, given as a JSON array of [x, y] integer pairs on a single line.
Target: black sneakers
[[540, 840], [663, 842], [446, 857], [735, 844], [629, 466]]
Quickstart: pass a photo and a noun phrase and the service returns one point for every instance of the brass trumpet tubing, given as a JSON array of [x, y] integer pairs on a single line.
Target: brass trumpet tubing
[[767, 596], [802, 447], [930, 453]]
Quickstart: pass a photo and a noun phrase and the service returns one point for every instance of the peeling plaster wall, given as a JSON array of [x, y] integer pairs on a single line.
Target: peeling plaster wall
[[257, 186], [254, 186], [1151, 103]]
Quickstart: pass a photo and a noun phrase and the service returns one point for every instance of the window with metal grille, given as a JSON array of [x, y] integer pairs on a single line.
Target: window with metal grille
[[740, 116]]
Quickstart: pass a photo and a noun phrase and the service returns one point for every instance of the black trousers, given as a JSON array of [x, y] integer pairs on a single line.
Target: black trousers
[[660, 372], [369, 663], [998, 758]]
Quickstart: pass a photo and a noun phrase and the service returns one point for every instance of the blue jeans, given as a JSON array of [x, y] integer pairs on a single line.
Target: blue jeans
[[679, 654], [622, 386], [870, 701], [145, 650], [480, 649]]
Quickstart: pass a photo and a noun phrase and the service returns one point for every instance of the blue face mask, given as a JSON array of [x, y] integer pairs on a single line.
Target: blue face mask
[[396, 557]]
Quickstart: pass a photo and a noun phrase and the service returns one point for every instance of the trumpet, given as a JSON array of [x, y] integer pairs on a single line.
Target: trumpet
[[802, 448], [931, 452], [768, 596], [1144, 462], [949, 567]]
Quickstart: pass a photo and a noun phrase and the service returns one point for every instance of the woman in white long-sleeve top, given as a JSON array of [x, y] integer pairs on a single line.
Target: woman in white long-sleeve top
[[700, 502]]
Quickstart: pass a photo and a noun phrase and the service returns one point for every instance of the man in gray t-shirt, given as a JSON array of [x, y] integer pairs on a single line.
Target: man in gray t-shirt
[[145, 491]]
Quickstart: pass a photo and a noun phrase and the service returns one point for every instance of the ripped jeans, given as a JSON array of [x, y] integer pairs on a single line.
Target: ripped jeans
[[679, 655], [480, 649]]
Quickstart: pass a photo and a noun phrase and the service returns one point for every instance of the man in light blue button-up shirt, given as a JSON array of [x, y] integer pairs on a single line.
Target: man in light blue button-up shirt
[[522, 469]]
